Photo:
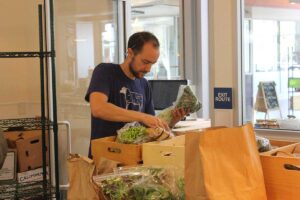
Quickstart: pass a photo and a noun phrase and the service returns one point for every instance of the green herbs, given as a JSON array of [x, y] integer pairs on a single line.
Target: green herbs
[[150, 192], [186, 99], [132, 135], [180, 186], [166, 114], [135, 133], [141, 183], [115, 188]]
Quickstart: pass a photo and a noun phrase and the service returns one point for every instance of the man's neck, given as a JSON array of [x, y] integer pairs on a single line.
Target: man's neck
[[126, 70]]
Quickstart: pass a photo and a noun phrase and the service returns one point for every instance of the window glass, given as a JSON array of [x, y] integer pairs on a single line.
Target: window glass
[[271, 64], [163, 19]]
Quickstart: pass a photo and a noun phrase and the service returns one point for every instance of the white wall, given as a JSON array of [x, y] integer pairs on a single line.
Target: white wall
[[19, 77], [272, 13], [224, 62]]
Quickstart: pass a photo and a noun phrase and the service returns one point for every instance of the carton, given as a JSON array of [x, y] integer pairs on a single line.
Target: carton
[[126, 154], [282, 173]]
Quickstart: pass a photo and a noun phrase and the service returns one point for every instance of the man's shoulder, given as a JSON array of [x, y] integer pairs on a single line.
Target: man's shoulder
[[144, 82], [106, 66]]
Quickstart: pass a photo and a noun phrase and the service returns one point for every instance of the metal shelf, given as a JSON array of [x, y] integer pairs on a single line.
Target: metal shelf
[[26, 54], [23, 124], [29, 190], [41, 189]]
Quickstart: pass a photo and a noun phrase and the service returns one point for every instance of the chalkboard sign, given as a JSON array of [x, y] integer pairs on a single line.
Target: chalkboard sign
[[266, 98]]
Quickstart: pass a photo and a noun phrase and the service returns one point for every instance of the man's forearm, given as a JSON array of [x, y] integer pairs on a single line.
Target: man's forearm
[[110, 112]]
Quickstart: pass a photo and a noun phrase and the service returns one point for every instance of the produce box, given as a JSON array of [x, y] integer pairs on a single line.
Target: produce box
[[29, 148], [282, 173], [13, 136], [165, 153], [126, 154], [30, 153], [280, 143]]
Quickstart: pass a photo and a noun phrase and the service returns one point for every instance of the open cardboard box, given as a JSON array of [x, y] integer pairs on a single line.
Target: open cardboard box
[[127, 154], [165, 153], [282, 173]]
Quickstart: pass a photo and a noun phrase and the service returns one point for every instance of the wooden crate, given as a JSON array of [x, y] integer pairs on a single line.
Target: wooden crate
[[280, 143], [165, 153], [126, 154], [281, 183]]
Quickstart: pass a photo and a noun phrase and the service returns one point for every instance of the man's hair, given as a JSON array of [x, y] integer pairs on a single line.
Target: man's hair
[[137, 41]]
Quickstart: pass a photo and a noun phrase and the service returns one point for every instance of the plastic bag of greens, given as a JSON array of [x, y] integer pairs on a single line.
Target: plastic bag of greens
[[135, 133], [263, 144], [140, 183], [186, 99]]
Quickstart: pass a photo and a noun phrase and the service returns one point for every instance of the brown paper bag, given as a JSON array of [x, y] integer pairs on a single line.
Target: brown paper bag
[[223, 164], [81, 171]]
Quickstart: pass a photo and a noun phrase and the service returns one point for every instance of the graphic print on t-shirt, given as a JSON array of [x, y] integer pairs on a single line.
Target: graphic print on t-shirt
[[133, 98]]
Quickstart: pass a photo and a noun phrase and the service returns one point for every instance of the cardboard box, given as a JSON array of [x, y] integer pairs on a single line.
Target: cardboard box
[[165, 153], [13, 136], [32, 175], [280, 143], [281, 173], [127, 154], [30, 153]]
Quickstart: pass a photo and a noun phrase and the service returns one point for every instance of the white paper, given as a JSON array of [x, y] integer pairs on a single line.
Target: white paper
[[8, 169]]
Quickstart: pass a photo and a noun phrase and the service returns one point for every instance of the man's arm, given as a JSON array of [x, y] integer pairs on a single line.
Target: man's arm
[[101, 108]]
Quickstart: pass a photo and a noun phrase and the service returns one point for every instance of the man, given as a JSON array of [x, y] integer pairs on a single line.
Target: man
[[119, 94]]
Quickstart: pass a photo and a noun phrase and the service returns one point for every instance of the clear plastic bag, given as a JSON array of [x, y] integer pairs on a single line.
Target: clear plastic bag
[[263, 144], [186, 99], [141, 183], [135, 133]]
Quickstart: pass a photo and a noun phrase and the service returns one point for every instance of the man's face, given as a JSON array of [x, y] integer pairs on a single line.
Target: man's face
[[141, 62]]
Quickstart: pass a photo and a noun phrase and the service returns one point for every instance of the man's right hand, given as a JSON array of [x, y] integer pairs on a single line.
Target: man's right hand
[[154, 122]]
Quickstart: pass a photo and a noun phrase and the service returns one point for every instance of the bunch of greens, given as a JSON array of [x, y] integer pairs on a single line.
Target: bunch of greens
[[186, 99], [180, 187], [150, 192], [142, 183], [132, 135], [166, 114], [115, 188], [135, 133]]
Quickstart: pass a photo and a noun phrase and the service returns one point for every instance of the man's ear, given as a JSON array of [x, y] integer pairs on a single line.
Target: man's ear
[[130, 53]]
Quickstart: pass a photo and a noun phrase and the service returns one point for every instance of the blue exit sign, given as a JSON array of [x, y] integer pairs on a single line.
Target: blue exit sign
[[223, 98]]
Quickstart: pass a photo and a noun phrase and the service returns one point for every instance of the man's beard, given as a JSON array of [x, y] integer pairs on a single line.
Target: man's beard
[[134, 72]]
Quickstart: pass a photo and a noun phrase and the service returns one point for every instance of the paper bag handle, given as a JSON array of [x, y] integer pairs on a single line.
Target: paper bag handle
[[291, 167]]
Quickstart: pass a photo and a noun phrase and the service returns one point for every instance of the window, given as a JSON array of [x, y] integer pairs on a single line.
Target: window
[[162, 19], [271, 62]]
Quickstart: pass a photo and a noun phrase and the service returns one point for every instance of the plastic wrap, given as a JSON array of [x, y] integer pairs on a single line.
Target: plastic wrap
[[186, 99], [141, 183], [135, 133], [263, 144]]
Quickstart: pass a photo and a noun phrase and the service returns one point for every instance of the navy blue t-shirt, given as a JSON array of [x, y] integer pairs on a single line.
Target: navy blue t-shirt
[[121, 91]]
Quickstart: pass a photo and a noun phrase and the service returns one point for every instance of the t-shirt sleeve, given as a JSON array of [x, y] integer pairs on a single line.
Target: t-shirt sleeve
[[100, 81], [149, 105]]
